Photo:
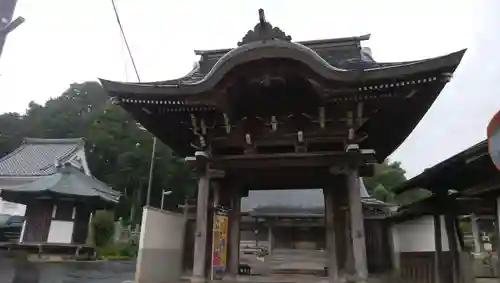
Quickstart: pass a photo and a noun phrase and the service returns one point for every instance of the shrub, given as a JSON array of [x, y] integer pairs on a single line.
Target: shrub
[[118, 251], [104, 227]]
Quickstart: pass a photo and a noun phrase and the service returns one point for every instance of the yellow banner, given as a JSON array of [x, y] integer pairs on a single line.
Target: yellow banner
[[220, 238]]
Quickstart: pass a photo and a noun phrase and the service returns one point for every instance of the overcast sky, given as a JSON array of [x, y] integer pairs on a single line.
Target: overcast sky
[[65, 41]]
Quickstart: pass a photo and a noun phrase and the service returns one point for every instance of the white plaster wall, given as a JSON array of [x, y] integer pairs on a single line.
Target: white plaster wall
[[12, 208], [79, 160], [60, 232], [417, 235], [160, 246]]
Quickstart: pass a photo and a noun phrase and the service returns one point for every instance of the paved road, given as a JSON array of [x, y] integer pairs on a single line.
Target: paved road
[[286, 259], [75, 272]]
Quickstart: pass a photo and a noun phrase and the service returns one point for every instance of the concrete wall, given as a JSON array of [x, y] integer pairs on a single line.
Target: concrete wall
[[160, 246], [417, 235]]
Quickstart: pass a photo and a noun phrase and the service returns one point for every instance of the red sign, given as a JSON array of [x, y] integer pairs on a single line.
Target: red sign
[[494, 139]]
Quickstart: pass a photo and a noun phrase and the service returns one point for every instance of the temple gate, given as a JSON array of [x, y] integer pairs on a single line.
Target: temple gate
[[277, 114]]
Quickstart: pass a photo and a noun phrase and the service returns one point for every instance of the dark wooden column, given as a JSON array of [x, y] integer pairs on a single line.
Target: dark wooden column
[[453, 244], [357, 225], [210, 229], [81, 227], [331, 242], [395, 250], [438, 258], [200, 240], [234, 231], [38, 218], [270, 238], [341, 226]]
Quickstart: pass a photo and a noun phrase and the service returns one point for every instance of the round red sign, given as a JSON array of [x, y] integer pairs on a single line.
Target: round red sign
[[494, 139]]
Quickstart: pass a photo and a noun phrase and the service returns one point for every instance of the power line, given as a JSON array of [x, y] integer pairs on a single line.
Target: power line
[[153, 151], [125, 40]]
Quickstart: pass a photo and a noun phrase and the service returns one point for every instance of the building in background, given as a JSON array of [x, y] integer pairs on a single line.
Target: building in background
[[295, 219], [7, 8], [51, 181], [36, 158], [59, 206]]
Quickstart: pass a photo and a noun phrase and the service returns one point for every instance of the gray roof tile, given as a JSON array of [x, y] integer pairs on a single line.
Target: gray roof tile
[[69, 180], [307, 201], [37, 157], [344, 53]]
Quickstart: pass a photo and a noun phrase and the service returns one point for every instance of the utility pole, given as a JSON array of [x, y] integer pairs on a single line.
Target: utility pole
[[151, 166], [7, 25], [151, 170]]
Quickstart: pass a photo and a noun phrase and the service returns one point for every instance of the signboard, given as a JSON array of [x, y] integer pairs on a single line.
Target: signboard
[[6, 12], [494, 139], [219, 243]]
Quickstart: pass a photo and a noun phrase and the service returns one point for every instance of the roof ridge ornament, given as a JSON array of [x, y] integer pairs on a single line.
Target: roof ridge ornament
[[264, 31]]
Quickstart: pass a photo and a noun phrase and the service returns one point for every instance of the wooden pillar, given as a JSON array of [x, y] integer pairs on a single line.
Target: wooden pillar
[[458, 234], [200, 240], [333, 274], [90, 234], [215, 198], [270, 237], [357, 226], [478, 244], [453, 244], [216, 194], [256, 232], [234, 232], [349, 258], [342, 234], [395, 250], [438, 259]]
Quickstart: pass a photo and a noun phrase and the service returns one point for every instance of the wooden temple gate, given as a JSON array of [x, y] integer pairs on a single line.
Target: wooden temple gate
[[273, 113]]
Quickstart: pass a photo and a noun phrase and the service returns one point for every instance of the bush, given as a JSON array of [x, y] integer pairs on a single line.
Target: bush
[[104, 228], [119, 251]]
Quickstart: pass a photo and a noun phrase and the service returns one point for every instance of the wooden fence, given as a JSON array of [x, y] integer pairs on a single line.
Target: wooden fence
[[420, 267]]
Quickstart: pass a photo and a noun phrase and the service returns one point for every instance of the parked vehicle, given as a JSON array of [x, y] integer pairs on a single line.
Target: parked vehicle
[[10, 227]]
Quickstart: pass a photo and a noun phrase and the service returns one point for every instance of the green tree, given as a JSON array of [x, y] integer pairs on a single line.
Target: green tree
[[387, 176], [118, 152]]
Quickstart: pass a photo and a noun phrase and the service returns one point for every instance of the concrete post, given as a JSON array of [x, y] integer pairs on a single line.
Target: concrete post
[[200, 240], [357, 226], [234, 233], [333, 274]]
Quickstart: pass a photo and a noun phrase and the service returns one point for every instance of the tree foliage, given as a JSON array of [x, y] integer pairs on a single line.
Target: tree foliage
[[118, 151], [103, 226], [387, 176]]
